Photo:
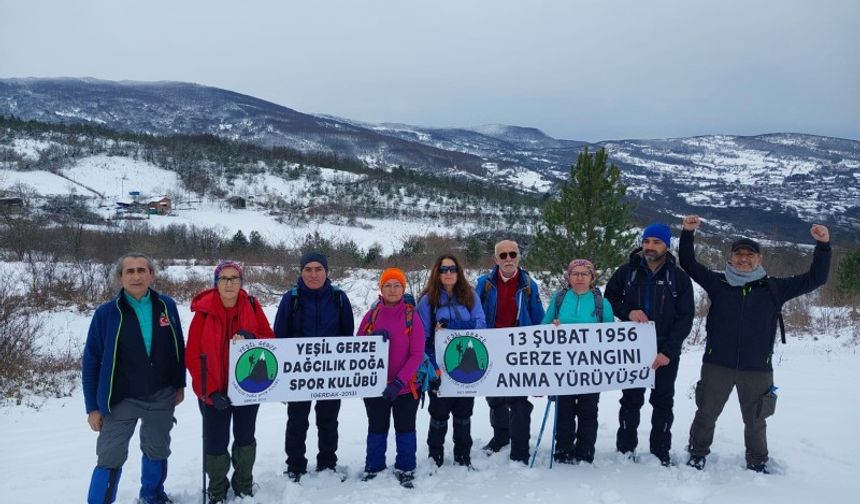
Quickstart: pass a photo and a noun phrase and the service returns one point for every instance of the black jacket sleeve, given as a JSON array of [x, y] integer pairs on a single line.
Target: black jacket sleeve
[[614, 293], [685, 311], [687, 258], [798, 285], [347, 320]]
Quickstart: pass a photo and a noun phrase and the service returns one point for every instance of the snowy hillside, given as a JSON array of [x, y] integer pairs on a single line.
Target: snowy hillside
[[770, 186]]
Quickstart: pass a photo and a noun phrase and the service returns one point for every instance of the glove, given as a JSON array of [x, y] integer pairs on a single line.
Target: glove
[[246, 334], [392, 390], [434, 386], [443, 323], [381, 332], [220, 401]]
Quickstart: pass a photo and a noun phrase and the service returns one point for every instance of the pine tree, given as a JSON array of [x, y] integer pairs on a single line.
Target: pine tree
[[256, 241], [238, 242], [589, 219], [848, 273]]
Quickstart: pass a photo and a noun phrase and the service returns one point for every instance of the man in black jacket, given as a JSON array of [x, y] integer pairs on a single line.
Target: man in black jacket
[[741, 331], [650, 287]]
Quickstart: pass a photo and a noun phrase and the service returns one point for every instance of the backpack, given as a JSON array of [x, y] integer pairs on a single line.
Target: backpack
[[427, 371], [598, 303], [670, 280]]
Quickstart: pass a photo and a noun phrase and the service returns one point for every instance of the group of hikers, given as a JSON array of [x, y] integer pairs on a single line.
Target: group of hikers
[[135, 359]]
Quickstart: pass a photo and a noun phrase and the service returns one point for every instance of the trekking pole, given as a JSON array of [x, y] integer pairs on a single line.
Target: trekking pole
[[554, 431], [540, 433], [203, 398]]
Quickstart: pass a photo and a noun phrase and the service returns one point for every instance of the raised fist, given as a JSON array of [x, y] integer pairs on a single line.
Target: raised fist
[[691, 222], [820, 233]]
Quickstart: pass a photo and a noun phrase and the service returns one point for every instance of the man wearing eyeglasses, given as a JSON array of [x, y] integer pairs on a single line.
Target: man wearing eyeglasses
[[313, 308], [652, 287], [133, 369], [510, 298]]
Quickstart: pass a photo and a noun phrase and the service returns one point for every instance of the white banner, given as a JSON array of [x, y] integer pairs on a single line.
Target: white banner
[[545, 359], [303, 369]]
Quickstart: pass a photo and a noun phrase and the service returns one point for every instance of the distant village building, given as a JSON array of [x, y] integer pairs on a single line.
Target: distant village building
[[11, 202], [160, 205], [237, 202]]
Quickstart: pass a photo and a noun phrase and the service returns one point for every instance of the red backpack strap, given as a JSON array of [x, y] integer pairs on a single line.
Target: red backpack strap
[[410, 312], [374, 311]]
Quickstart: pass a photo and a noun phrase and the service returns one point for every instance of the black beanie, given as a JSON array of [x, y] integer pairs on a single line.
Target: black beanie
[[313, 257]]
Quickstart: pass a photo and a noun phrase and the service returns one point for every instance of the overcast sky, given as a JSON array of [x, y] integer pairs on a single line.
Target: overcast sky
[[594, 70]]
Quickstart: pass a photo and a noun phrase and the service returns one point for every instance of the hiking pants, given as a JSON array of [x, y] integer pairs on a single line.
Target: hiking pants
[[510, 418], [155, 413], [297, 431], [574, 439], [756, 400], [380, 410], [461, 409], [217, 425], [662, 400]]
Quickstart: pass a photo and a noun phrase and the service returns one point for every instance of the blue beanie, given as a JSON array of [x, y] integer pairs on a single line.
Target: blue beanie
[[310, 257], [659, 231]]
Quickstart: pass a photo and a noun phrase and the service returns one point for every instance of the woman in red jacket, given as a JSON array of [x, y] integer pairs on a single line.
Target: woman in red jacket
[[222, 315]]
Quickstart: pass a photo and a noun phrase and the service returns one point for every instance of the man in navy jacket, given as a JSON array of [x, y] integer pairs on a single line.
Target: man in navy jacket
[[133, 369], [741, 331], [510, 298], [313, 308]]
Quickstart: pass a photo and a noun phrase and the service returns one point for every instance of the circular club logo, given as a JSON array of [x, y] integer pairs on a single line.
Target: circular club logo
[[256, 370], [466, 359]]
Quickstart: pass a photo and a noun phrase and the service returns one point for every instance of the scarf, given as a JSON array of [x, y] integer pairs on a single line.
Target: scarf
[[737, 278]]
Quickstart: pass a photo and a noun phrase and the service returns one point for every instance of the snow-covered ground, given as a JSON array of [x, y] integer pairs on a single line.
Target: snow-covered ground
[[49, 453]]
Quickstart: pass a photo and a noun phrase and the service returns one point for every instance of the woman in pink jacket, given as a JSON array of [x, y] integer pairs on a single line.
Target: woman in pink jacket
[[397, 320]]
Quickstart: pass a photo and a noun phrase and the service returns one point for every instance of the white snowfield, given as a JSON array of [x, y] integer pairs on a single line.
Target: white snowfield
[[49, 454]]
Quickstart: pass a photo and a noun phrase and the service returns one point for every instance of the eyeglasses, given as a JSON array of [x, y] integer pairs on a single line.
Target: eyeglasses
[[447, 269], [226, 280], [579, 274], [505, 255]]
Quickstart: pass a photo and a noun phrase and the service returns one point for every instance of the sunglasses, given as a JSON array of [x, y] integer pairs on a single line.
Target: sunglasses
[[447, 269], [505, 255]]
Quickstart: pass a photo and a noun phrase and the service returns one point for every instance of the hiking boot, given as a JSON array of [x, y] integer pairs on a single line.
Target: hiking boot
[[465, 461], [564, 458], [759, 468], [522, 460], [696, 462], [494, 446], [438, 458], [336, 470], [369, 475], [159, 498], [405, 478], [665, 459], [294, 476], [631, 456]]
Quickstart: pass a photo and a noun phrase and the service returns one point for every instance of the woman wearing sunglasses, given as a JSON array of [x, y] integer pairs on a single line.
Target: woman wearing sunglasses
[[580, 302], [449, 301], [224, 314]]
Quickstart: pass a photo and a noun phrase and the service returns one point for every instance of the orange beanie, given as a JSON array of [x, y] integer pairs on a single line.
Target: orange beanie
[[392, 274]]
